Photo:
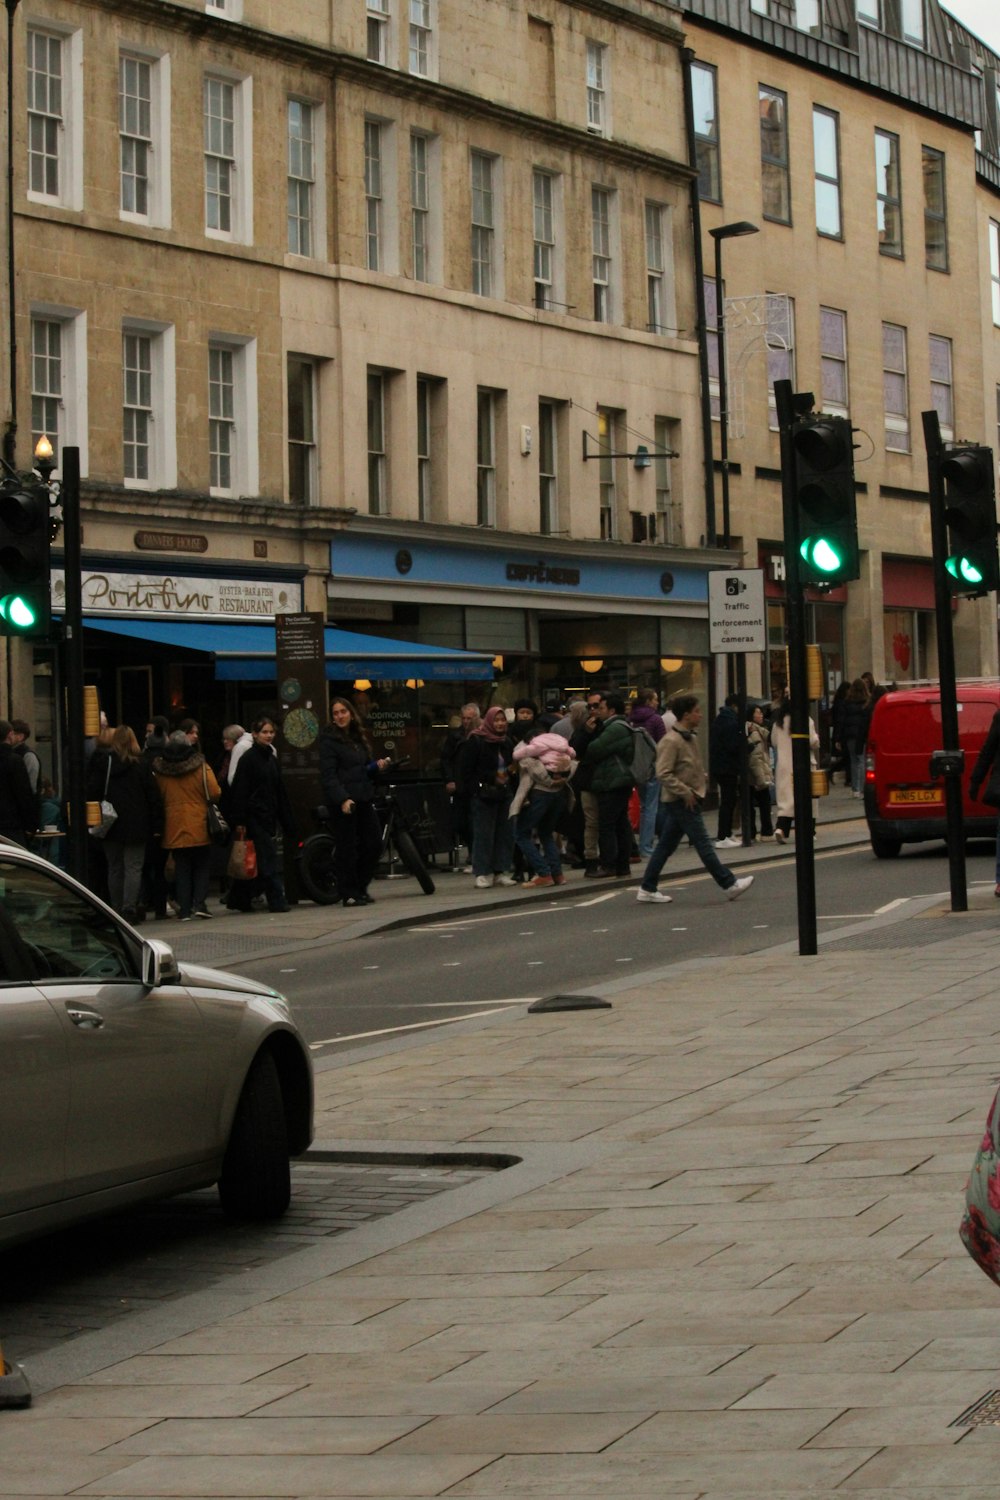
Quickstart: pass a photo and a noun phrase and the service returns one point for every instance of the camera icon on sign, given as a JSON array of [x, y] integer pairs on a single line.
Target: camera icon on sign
[[735, 586]]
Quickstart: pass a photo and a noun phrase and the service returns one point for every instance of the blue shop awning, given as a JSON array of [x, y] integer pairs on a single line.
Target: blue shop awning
[[245, 653]]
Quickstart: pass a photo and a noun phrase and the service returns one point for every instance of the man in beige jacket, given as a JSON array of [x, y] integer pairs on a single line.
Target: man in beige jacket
[[681, 774]]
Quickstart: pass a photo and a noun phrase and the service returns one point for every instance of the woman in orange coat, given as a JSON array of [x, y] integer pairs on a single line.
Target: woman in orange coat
[[187, 784]]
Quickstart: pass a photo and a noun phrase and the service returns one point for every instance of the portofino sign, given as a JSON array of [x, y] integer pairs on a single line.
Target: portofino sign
[[158, 595]]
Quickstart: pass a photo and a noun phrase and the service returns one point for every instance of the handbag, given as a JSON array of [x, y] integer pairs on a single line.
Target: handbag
[[242, 858], [218, 828], [488, 791], [980, 1227], [109, 816]]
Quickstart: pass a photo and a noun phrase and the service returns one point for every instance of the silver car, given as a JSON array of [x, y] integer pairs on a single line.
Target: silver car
[[125, 1075]]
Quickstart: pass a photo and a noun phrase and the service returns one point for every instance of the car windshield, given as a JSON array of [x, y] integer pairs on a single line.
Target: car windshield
[[49, 930]]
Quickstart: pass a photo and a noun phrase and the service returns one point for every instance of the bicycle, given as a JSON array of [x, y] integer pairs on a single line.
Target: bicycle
[[399, 832]]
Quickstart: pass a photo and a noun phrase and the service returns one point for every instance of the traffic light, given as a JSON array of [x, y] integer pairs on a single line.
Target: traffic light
[[25, 537], [970, 512], [825, 502]]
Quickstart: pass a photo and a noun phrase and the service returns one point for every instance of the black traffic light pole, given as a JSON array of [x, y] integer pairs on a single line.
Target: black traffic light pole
[[76, 795], [795, 622], [949, 763]]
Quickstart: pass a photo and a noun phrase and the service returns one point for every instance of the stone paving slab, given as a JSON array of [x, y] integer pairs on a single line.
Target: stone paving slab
[[749, 1282]]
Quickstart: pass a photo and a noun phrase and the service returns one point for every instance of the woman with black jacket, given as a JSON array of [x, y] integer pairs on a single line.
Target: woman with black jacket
[[484, 773], [348, 767], [117, 773], [259, 803]]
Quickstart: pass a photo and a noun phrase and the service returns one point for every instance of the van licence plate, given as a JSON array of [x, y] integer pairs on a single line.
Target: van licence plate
[[916, 794]]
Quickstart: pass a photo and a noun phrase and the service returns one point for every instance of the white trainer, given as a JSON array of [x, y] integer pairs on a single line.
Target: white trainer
[[642, 895], [729, 843], [484, 882], [734, 891], [506, 880]]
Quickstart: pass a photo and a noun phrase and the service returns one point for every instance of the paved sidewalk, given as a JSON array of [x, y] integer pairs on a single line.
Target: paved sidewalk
[[725, 1264]]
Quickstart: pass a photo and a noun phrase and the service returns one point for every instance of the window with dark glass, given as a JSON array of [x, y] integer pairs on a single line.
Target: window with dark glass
[[889, 206], [773, 105], [935, 209], [704, 87], [826, 167]]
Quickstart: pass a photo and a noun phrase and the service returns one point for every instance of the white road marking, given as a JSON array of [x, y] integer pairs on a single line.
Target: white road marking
[[596, 900], [455, 963], [678, 929], [457, 924], [371, 966], [761, 926], [359, 1036], [535, 963], [891, 905], [624, 960], [288, 971]]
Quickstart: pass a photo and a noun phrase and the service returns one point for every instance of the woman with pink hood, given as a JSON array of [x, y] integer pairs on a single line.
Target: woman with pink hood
[[545, 764]]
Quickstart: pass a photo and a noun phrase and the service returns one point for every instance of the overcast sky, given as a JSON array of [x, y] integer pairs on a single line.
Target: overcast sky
[[981, 16]]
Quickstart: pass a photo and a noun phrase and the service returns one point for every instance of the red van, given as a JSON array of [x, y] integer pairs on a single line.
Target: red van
[[904, 804]]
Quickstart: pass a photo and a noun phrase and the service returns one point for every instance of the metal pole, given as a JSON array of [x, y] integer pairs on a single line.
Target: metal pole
[[10, 433], [76, 797], [798, 686], [699, 276], [946, 665], [720, 335], [745, 800]]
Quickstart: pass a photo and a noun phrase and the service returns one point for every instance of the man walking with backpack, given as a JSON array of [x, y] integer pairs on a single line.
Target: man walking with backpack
[[610, 755], [682, 775]]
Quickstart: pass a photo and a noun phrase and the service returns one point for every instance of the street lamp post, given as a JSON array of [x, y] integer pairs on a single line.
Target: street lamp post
[[724, 232], [730, 232]]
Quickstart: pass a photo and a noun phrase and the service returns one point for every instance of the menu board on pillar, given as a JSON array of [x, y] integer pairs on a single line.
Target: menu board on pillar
[[300, 668]]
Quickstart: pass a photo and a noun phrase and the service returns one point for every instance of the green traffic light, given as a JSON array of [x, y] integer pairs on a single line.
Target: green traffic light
[[820, 553], [17, 612], [965, 570]]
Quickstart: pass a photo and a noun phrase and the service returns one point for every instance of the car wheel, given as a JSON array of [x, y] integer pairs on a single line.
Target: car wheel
[[885, 848], [256, 1180]]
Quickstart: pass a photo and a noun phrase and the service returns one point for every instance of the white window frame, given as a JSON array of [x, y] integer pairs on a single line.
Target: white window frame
[[607, 429], [305, 179], [162, 408], [598, 99], [305, 445], [425, 207], [779, 341], [71, 412], [897, 423], [377, 429], [666, 523], [422, 38], [833, 368], [548, 468], [886, 201], [424, 415], [241, 420], [381, 238], [486, 458], [913, 22], [604, 261], [485, 216], [943, 390], [380, 34], [158, 178], [237, 151], [66, 113], [226, 10], [994, 233], [661, 302]]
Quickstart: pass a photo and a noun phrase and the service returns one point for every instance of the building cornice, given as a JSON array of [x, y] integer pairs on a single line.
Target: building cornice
[[336, 64]]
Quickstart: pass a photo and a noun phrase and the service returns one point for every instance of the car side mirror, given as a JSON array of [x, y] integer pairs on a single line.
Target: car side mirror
[[159, 964]]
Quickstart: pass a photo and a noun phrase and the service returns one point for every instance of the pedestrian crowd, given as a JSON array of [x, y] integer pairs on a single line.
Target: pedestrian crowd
[[602, 785]]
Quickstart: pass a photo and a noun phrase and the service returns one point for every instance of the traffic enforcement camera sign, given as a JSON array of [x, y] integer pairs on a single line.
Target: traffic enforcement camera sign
[[736, 616]]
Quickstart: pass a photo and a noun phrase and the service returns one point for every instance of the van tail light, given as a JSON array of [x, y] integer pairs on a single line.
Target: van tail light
[[870, 763]]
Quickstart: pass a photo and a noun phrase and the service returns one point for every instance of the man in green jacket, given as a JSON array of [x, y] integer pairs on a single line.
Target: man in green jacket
[[610, 754]]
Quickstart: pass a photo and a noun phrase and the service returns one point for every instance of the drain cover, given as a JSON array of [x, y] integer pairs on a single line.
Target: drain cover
[[982, 1413]]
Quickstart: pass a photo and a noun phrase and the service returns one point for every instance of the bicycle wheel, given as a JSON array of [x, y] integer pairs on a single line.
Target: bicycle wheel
[[410, 855], [316, 870]]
